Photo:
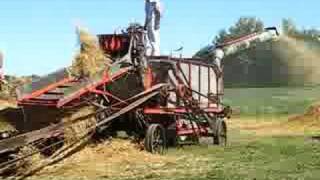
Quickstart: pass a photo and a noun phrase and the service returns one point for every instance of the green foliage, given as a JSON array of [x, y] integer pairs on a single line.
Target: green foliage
[[204, 52], [289, 28], [264, 63], [244, 26]]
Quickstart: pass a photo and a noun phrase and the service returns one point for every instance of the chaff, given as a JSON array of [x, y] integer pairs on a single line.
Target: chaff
[[91, 59]]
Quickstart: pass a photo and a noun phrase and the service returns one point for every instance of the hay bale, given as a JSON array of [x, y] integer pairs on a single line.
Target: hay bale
[[9, 86], [91, 59], [80, 128]]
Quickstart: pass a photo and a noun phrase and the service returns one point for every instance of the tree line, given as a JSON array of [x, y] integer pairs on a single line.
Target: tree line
[[271, 63]]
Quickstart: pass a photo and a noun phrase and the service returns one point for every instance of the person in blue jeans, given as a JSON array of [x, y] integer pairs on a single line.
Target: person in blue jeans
[[152, 25], [2, 78]]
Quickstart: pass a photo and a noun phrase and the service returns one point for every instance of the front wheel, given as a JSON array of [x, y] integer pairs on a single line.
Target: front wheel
[[155, 140], [220, 135]]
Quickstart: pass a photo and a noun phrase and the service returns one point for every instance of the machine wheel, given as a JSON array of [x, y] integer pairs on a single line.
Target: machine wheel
[[155, 140], [220, 137]]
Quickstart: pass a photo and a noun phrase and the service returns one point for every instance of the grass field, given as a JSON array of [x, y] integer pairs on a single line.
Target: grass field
[[272, 101], [260, 146], [247, 156]]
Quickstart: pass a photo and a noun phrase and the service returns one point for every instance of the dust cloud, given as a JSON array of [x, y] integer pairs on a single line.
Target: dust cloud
[[303, 61]]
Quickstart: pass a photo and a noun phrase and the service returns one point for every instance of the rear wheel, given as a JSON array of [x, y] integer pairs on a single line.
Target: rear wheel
[[155, 140], [220, 135]]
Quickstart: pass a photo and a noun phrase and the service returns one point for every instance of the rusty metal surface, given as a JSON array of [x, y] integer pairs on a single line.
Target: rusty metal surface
[[41, 83], [57, 90], [50, 131], [23, 139]]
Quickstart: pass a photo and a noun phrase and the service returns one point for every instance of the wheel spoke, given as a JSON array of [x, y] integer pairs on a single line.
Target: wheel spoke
[[157, 143], [156, 136], [221, 136]]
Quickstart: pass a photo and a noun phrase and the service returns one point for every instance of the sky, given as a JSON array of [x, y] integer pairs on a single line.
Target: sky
[[38, 36]]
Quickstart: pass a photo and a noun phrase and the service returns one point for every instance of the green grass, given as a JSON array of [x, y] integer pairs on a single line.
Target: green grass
[[271, 101], [246, 157], [251, 157], [261, 158], [268, 158]]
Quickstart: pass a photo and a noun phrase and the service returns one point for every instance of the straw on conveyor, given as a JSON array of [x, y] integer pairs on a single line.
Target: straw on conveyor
[[91, 59]]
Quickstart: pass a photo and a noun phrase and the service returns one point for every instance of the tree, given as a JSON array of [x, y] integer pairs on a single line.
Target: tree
[[244, 26], [204, 52], [243, 68], [288, 27], [268, 63]]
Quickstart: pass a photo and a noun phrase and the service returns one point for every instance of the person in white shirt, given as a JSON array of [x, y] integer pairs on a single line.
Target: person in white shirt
[[2, 78], [152, 25], [1, 67]]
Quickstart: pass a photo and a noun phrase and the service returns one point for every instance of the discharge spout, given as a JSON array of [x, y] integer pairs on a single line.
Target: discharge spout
[[233, 46]]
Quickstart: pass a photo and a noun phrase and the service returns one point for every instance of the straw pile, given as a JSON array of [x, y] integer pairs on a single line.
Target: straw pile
[[30, 162], [116, 158], [8, 89], [310, 120], [91, 59], [83, 126]]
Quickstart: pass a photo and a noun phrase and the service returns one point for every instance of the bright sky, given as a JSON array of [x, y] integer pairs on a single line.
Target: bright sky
[[38, 36]]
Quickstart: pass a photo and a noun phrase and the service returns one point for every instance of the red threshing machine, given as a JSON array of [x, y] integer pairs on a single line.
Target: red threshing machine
[[173, 100], [163, 100]]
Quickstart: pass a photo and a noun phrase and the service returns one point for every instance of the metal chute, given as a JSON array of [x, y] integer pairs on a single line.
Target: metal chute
[[245, 42]]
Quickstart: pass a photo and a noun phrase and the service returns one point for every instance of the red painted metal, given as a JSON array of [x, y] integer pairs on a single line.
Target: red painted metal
[[148, 78], [199, 131], [93, 86], [46, 89], [33, 98], [190, 78], [199, 80], [37, 103], [185, 128], [209, 84], [108, 94], [232, 41], [179, 110], [184, 83], [114, 43]]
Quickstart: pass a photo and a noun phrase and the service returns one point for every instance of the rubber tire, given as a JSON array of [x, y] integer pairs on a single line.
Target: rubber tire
[[221, 127], [149, 138]]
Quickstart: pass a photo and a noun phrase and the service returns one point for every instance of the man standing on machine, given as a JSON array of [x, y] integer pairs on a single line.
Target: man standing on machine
[[2, 78], [152, 25]]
